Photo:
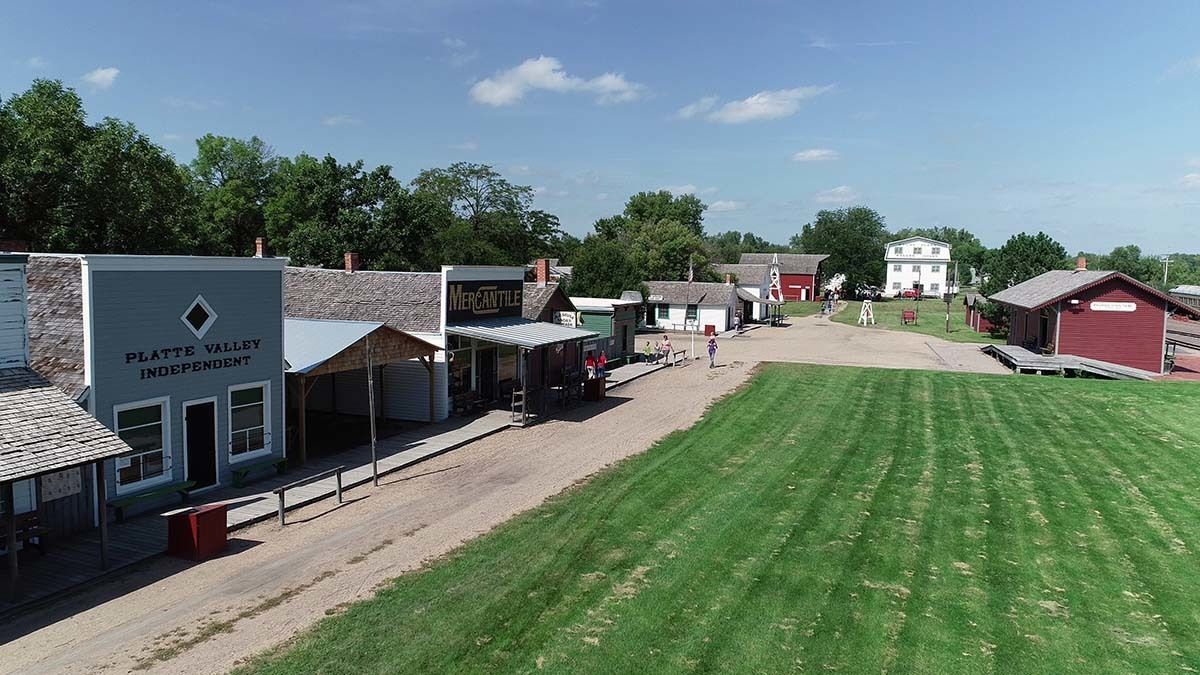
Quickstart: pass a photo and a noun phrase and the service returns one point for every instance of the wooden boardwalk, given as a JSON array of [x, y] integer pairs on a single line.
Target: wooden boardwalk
[[75, 561], [1022, 360], [629, 373]]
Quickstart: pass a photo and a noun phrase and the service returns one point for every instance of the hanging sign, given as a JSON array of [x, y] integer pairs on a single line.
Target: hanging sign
[[61, 484], [568, 319], [1113, 306]]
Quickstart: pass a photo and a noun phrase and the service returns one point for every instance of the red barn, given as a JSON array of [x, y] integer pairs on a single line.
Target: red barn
[[974, 313], [1105, 316], [799, 273]]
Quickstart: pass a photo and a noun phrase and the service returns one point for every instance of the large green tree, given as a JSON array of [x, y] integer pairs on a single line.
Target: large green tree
[[69, 186], [854, 239], [1128, 260], [728, 247], [663, 206], [1022, 257], [233, 179], [603, 268]]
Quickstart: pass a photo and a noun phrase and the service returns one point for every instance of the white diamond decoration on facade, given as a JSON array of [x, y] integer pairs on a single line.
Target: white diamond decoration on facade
[[199, 317]]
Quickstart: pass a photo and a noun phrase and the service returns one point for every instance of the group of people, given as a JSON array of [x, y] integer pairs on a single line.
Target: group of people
[[829, 302], [596, 365], [661, 352]]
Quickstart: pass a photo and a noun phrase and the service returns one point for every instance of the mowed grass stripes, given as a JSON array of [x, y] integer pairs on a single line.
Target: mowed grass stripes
[[834, 519]]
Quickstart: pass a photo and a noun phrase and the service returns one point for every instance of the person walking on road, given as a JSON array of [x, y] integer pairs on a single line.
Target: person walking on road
[[601, 364], [712, 352], [666, 349]]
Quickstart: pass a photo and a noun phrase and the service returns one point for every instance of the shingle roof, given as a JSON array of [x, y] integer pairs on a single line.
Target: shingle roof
[[408, 301], [789, 263], [534, 299], [56, 320], [700, 293], [1055, 285], [42, 430], [748, 274]]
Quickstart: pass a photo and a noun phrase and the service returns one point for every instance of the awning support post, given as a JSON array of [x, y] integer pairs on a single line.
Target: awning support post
[[428, 363], [11, 521], [102, 501], [302, 418], [371, 413]]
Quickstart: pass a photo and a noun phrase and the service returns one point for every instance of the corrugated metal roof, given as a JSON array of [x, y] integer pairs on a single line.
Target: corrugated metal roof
[[1192, 291], [41, 430], [520, 332], [307, 343], [601, 304], [750, 297]]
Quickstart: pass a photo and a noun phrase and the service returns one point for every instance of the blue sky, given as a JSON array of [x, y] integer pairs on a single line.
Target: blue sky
[[1081, 119]]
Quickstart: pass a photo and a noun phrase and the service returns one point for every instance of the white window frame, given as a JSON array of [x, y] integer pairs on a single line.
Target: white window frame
[[168, 473], [936, 250], [897, 267], [935, 287], [267, 441], [917, 250], [895, 285], [216, 436], [935, 268], [898, 250], [916, 268]]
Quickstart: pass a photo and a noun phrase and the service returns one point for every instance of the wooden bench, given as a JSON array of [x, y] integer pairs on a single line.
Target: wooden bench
[[675, 356], [240, 471], [121, 503], [908, 317]]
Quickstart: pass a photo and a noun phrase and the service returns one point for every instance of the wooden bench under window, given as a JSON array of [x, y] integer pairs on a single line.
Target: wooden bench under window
[[121, 503], [241, 471]]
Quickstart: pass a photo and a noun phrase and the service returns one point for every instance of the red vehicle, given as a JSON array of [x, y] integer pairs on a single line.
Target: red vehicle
[[910, 294]]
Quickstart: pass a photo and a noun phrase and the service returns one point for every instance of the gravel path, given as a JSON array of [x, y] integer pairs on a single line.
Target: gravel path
[[170, 617]]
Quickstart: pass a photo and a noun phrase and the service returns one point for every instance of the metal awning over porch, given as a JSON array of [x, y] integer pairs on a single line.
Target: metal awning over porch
[[743, 294], [315, 347], [519, 332]]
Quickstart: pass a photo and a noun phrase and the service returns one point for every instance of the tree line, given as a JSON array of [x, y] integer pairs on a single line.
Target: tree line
[[70, 186]]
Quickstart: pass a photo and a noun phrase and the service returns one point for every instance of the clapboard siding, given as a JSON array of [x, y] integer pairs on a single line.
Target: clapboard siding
[[13, 333]]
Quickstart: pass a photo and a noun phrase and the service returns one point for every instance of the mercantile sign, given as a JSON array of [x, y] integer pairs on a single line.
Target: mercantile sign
[[467, 300]]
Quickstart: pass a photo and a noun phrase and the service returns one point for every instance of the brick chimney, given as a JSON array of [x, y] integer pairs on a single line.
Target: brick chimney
[[728, 278], [14, 245], [260, 247], [1081, 264], [351, 262], [541, 268]]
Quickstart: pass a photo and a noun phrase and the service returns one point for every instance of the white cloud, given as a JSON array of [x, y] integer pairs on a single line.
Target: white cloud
[[816, 155], [465, 146], [1190, 181], [725, 205], [460, 53], [546, 73], [340, 120], [822, 43], [36, 63], [688, 189], [1184, 67], [767, 105], [539, 189], [172, 137], [520, 169], [101, 78], [1194, 162], [699, 107], [842, 194]]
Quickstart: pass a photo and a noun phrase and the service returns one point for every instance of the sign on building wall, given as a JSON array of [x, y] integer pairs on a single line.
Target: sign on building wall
[[61, 484], [568, 319], [1099, 306], [471, 300]]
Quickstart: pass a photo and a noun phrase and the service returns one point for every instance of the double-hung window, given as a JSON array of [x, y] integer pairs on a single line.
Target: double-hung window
[[898, 250], [916, 268], [897, 268], [895, 285], [935, 268], [249, 420], [145, 428], [936, 250], [693, 313], [935, 287], [664, 312], [917, 250]]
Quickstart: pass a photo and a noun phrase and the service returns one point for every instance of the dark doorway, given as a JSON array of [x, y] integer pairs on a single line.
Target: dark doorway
[[1043, 331], [627, 346], [200, 436], [485, 361]]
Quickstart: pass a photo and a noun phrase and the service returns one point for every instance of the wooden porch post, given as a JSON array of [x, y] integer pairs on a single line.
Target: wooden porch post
[[371, 412], [301, 419], [428, 363], [102, 501], [11, 521]]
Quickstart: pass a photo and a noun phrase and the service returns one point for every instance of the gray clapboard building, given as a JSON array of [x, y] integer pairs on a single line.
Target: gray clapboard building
[[181, 356]]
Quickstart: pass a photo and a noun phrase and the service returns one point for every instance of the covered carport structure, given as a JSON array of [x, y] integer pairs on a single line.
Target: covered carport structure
[[774, 307], [319, 347]]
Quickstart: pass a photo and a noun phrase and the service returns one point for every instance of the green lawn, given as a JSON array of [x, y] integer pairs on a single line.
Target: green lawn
[[797, 309], [931, 319], [834, 520]]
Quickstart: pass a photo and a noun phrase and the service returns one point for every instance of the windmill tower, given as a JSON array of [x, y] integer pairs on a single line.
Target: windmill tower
[[775, 290]]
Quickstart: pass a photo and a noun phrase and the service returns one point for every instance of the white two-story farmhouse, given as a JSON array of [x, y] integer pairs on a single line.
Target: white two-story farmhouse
[[917, 263]]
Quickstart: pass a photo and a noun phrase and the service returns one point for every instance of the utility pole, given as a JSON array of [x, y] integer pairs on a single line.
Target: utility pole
[[1166, 261]]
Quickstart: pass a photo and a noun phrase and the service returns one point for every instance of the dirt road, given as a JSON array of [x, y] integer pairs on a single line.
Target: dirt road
[[173, 617]]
